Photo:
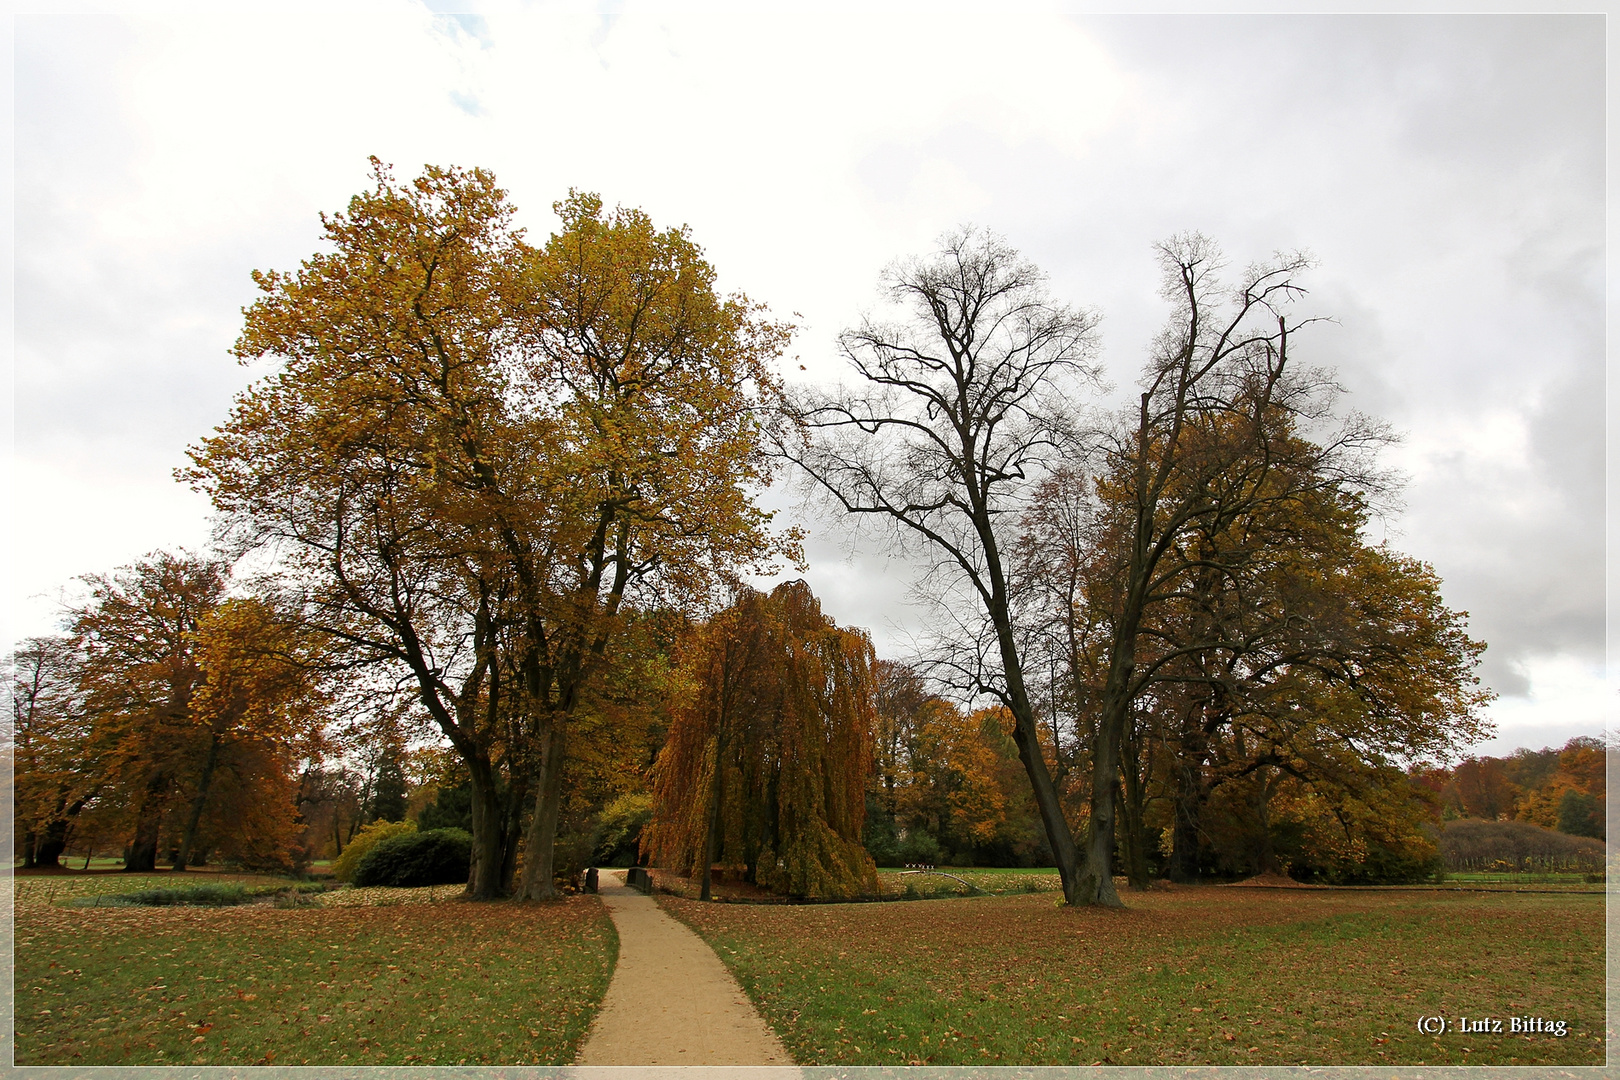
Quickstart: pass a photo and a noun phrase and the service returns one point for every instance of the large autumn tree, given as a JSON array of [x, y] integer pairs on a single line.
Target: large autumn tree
[[176, 716], [1228, 428], [475, 453], [1218, 615], [139, 634]]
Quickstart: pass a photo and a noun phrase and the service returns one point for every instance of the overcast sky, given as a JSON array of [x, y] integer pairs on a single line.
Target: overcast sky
[[1446, 171]]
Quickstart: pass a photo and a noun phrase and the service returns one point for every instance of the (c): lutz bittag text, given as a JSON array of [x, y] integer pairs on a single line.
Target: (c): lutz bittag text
[[1492, 1025]]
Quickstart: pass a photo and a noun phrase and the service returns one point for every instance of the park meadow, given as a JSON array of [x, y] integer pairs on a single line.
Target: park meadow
[[1182, 774], [1196, 975]]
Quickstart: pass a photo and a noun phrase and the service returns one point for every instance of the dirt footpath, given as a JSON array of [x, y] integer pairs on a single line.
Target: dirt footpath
[[671, 1000]]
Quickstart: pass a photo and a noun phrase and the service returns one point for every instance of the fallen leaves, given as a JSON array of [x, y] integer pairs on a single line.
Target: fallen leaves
[[497, 974], [1175, 978]]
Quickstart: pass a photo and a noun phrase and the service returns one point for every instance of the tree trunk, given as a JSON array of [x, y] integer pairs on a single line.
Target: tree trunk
[[141, 856], [50, 845], [540, 845], [484, 876], [1265, 854], [1191, 792], [1096, 877], [1185, 846], [1027, 738], [717, 794], [204, 782], [1133, 840], [513, 806]]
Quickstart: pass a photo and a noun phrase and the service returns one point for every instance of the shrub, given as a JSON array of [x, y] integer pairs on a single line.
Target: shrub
[[1516, 845], [344, 866], [919, 847], [201, 895], [435, 857]]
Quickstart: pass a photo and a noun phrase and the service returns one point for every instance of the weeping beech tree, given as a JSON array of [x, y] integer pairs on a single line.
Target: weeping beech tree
[[766, 763]]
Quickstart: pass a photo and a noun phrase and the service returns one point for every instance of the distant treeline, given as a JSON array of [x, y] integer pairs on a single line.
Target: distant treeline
[[1556, 789]]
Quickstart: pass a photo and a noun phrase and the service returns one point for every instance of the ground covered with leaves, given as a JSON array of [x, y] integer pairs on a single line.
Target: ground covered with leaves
[[1208, 975], [388, 977]]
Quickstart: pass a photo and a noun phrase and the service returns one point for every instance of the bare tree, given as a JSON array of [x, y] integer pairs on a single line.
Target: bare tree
[[966, 404]]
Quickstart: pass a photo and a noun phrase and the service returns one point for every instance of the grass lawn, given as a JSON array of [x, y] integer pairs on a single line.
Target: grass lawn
[[1204, 975], [375, 977]]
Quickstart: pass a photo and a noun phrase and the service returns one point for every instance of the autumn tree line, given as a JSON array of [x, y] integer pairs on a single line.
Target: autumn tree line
[[501, 502]]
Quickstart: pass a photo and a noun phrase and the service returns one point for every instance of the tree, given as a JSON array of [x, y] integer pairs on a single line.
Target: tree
[[767, 760], [141, 672], [478, 453], [1486, 791], [664, 390], [258, 713], [1210, 443], [201, 710], [966, 404], [55, 773], [1314, 656]]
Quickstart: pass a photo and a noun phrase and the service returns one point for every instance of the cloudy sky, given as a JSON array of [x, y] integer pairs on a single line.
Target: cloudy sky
[[1446, 171]]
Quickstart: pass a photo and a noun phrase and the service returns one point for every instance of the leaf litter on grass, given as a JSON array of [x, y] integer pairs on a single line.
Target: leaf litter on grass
[[1188, 976], [446, 982]]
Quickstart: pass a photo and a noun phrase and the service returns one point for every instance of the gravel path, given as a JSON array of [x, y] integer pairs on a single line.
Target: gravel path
[[671, 1001]]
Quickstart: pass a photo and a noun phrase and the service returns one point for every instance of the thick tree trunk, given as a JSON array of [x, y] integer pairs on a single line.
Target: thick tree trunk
[[1265, 853], [484, 876], [204, 782], [1191, 792], [1185, 845], [1097, 870], [1133, 840], [540, 845], [141, 856], [1027, 738], [50, 845], [29, 841], [143, 847], [516, 801], [1096, 877]]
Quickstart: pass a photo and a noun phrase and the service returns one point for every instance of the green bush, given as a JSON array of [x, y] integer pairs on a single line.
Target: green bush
[[200, 895], [919, 847], [435, 857], [344, 866]]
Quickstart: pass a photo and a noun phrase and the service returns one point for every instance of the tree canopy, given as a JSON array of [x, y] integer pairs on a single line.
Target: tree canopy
[[476, 452]]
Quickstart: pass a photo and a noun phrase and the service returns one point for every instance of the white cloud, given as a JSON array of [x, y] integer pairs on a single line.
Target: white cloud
[[1447, 171], [1567, 697]]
